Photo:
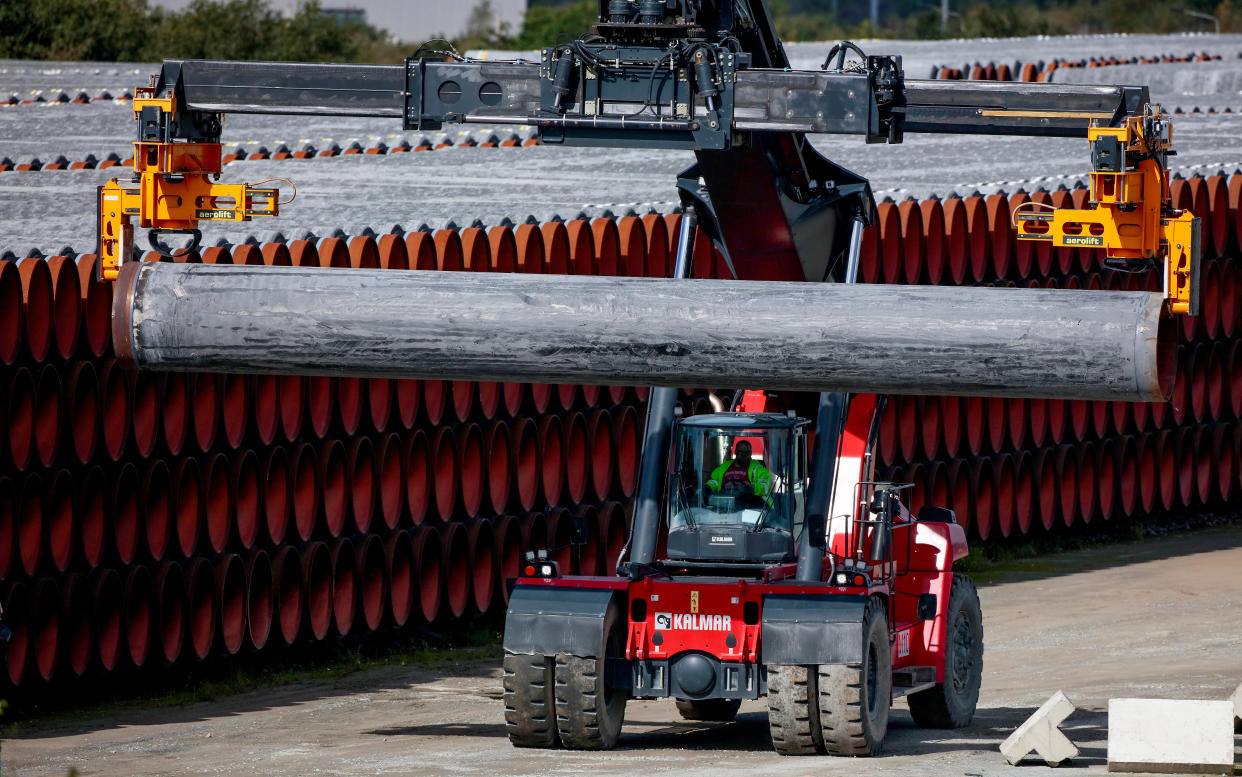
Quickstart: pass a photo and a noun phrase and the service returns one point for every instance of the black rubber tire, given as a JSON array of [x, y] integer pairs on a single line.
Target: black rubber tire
[[951, 704], [530, 717], [589, 714], [854, 699], [709, 709], [793, 710]]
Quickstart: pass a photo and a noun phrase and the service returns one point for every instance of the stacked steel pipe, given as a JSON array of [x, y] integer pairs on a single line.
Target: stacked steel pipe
[[149, 519], [1042, 71]]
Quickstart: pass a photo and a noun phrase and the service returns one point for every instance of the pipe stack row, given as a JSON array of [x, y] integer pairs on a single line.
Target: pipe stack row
[[148, 519], [1042, 71]]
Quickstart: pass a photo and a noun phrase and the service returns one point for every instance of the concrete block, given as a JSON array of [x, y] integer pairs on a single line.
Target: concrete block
[[1170, 736], [1040, 733]]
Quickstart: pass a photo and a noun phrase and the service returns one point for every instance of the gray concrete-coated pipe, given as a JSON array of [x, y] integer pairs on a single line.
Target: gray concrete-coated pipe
[[646, 331]]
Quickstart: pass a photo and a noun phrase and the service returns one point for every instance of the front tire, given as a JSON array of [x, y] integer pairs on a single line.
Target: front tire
[[589, 713], [854, 699], [709, 709], [951, 704], [530, 719], [793, 713]]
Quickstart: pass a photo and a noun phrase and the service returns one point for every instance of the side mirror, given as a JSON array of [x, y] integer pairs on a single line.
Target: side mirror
[[881, 537], [579, 533]]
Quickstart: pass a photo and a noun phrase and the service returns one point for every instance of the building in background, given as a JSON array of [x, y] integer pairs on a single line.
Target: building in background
[[408, 20]]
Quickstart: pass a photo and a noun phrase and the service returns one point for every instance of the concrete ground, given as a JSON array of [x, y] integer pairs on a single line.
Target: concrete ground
[[1151, 619]]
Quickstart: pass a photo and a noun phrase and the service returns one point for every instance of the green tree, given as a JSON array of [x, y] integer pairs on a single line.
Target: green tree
[[545, 25]]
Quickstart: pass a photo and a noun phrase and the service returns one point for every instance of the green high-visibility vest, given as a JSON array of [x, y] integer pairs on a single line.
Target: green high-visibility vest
[[758, 475]]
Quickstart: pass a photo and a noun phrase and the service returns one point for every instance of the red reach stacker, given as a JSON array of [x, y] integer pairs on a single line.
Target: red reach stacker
[[741, 602]]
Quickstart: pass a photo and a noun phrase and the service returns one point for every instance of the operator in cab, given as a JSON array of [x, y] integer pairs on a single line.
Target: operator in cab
[[743, 476]]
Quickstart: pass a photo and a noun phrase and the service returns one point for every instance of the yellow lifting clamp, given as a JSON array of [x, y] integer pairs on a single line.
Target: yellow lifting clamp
[[1132, 217], [172, 190]]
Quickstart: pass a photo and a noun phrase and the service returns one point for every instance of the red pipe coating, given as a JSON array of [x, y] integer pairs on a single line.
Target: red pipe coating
[[399, 576], [234, 408], [607, 246], [244, 477], [62, 521], [82, 391], [657, 246], [276, 488], [218, 502], [106, 616], [471, 475], [206, 409], [66, 304], [37, 301], [379, 402], [76, 615], [632, 239], [442, 446], [169, 610], [47, 415], [430, 571], [481, 541], [390, 480], [1088, 483], [499, 462], [29, 524], [457, 574], [265, 390], [230, 580], [625, 433], [319, 402], [175, 415], [600, 444], [139, 620], [287, 592], [348, 404], [360, 468], [12, 312], [124, 509], [91, 509], [435, 400], [333, 486], [418, 476], [409, 397], [372, 599], [260, 598], [524, 457], [304, 491], [156, 506], [317, 566]]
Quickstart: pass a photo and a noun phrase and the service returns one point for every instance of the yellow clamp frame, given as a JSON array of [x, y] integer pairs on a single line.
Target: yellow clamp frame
[[173, 191], [1131, 218]]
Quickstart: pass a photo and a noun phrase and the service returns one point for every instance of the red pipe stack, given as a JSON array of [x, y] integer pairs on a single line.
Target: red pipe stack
[[162, 519]]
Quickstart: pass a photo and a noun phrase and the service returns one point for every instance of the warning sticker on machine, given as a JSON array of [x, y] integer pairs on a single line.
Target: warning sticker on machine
[[693, 621]]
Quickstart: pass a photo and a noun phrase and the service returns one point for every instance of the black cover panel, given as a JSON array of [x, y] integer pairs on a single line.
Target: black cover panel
[[547, 620], [813, 628]]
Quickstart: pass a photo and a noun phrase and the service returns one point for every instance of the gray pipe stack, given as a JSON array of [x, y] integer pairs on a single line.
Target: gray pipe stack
[[1106, 345]]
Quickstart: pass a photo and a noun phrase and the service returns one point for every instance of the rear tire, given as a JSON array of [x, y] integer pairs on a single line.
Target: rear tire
[[589, 713], [854, 699], [529, 707], [951, 704], [793, 710], [709, 709]]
